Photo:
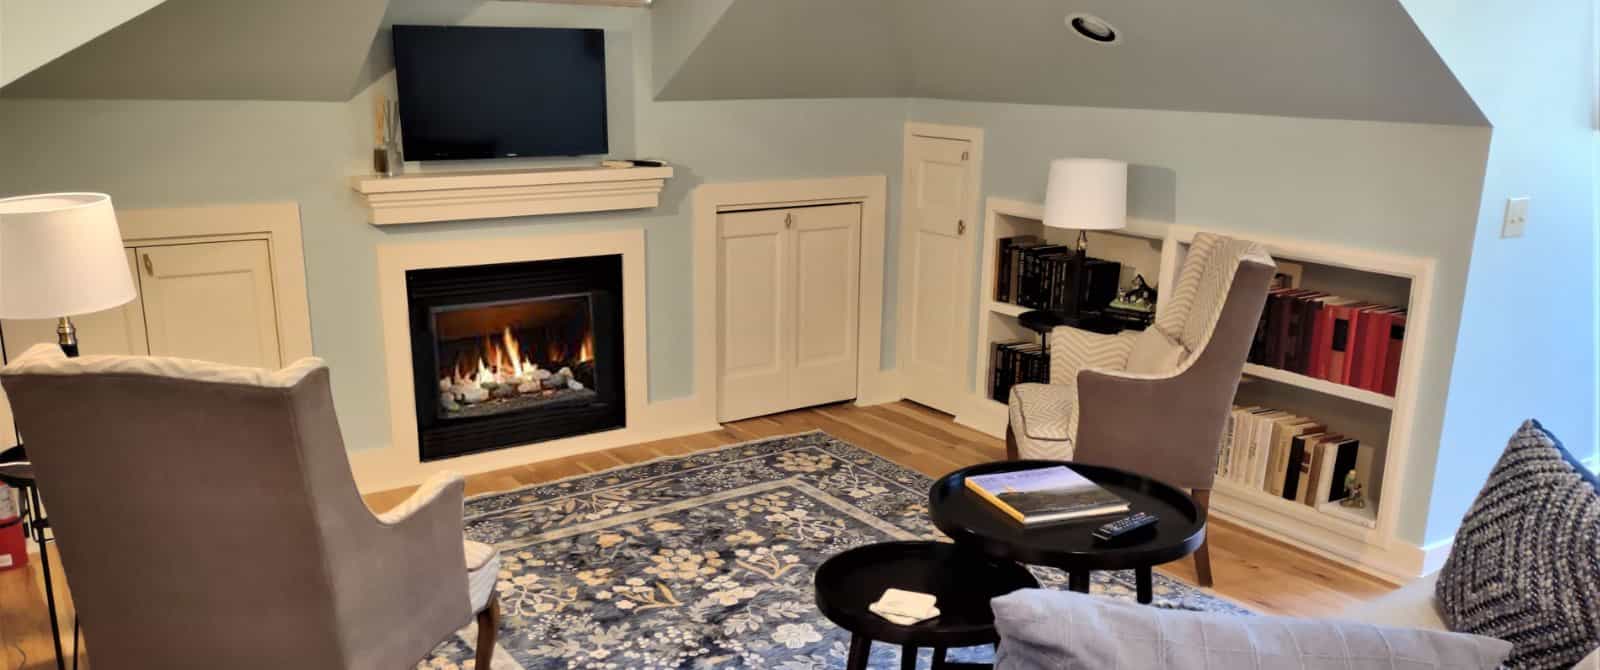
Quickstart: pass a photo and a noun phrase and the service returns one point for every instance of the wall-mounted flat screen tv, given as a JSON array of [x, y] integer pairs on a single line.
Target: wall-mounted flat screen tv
[[500, 92]]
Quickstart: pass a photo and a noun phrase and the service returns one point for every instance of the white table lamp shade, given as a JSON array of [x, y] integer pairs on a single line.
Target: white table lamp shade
[[1087, 194], [61, 255]]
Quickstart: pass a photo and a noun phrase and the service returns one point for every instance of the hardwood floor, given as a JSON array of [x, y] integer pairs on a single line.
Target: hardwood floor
[[1249, 569]]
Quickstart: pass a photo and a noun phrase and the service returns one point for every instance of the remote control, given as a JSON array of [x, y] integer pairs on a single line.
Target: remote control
[[1124, 526]]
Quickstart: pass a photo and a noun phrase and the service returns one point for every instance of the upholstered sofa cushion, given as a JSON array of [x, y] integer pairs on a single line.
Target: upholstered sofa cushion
[[1525, 565], [1058, 630], [1412, 606]]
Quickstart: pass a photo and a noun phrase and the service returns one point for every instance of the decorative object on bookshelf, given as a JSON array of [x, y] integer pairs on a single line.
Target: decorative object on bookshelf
[[1135, 307], [1085, 194], [1288, 275], [1324, 336]]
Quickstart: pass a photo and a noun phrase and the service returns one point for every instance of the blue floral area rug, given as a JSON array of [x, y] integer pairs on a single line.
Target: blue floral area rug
[[706, 560]]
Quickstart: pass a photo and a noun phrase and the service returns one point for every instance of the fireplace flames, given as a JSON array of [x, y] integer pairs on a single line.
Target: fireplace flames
[[500, 368]]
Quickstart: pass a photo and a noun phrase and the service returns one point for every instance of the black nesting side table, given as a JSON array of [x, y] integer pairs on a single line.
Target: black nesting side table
[[963, 581], [973, 522]]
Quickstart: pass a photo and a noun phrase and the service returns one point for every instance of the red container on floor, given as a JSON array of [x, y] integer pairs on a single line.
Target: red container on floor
[[13, 543]]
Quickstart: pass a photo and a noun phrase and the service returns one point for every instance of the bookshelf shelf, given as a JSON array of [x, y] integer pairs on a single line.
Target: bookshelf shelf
[[1322, 386], [1235, 499], [1007, 308]]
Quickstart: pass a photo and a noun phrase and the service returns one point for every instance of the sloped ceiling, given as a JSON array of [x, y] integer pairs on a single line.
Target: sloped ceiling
[[35, 32], [1344, 59], [219, 49]]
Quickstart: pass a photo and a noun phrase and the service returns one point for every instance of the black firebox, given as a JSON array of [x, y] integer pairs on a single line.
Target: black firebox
[[516, 353]]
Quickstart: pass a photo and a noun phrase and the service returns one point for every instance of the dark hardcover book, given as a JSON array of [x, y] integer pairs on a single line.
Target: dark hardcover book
[[1044, 495], [1260, 352], [1102, 278], [1032, 268], [1303, 330], [1298, 466], [1391, 361], [1002, 275], [1282, 321]]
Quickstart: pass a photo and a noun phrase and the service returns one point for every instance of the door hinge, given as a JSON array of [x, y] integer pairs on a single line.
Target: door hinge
[[149, 267], [961, 226], [963, 155]]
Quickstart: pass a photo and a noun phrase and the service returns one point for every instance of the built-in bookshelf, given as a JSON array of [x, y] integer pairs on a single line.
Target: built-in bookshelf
[[1138, 248], [1361, 536]]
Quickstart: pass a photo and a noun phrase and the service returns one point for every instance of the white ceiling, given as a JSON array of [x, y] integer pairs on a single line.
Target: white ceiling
[[1340, 59]]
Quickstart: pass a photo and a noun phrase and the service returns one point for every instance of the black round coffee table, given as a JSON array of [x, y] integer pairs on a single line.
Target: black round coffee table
[[971, 521], [963, 581]]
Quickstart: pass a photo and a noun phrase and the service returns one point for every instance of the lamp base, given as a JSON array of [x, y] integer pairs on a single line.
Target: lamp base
[[67, 337]]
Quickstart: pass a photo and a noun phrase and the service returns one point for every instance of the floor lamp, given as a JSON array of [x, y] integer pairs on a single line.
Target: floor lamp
[[60, 256]]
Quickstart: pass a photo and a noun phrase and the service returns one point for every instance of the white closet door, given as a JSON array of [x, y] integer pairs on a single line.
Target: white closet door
[[211, 302], [937, 256], [754, 315], [827, 269]]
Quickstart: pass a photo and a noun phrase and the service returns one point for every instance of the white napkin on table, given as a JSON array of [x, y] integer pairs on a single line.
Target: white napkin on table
[[905, 607]]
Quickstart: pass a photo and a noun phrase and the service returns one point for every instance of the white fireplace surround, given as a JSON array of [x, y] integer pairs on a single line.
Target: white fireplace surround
[[399, 464]]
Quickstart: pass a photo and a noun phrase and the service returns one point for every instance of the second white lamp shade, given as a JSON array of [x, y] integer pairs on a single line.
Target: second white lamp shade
[[1087, 194], [61, 255]]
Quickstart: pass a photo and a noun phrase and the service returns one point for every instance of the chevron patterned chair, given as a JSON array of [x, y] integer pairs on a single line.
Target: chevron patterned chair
[[1153, 402]]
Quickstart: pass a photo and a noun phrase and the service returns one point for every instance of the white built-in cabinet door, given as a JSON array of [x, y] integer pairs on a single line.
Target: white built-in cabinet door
[[937, 255], [211, 301], [788, 305]]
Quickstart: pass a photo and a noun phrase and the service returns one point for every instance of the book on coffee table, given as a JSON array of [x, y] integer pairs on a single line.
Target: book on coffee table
[[1046, 495]]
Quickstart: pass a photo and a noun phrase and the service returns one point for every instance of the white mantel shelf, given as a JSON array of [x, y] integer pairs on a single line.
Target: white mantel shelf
[[454, 196]]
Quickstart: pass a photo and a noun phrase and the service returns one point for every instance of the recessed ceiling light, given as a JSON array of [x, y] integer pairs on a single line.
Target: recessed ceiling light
[[1094, 29]]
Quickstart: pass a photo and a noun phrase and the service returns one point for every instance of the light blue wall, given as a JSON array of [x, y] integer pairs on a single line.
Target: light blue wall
[[177, 153], [1528, 342], [1406, 188]]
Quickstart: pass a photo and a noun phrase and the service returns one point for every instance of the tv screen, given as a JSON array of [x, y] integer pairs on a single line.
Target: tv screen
[[500, 92]]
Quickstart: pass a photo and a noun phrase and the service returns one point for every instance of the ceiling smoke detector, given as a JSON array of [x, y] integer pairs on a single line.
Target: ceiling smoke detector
[[1094, 29]]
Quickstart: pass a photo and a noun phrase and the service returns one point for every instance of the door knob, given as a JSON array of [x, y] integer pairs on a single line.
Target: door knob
[[788, 220], [961, 229]]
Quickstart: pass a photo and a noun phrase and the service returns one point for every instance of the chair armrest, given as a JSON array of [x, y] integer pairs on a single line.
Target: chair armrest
[[1165, 426], [1073, 350]]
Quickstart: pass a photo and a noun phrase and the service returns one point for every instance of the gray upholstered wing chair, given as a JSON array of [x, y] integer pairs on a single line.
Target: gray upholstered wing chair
[[207, 518], [1153, 402]]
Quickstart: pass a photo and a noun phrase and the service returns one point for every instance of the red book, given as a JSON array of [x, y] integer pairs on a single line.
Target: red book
[[1391, 364], [1356, 322], [1375, 346], [1338, 342], [1320, 336]]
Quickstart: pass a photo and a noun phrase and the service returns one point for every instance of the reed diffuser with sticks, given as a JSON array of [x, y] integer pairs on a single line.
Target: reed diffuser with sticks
[[386, 158]]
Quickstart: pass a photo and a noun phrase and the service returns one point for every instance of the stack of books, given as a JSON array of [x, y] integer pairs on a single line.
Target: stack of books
[[1037, 275], [1293, 457], [1045, 495], [1341, 340], [1012, 363]]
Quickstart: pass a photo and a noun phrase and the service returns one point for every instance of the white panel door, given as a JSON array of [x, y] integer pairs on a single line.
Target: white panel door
[[937, 257], [827, 269], [119, 330], [211, 302], [754, 316]]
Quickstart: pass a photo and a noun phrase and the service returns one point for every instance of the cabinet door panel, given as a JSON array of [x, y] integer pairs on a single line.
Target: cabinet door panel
[[753, 314], [211, 302], [827, 267]]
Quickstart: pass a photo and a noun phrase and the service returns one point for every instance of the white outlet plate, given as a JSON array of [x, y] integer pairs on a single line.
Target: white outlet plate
[[1516, 218]]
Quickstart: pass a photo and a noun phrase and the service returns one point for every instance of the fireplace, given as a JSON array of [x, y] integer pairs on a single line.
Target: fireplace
[[515, 353]]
